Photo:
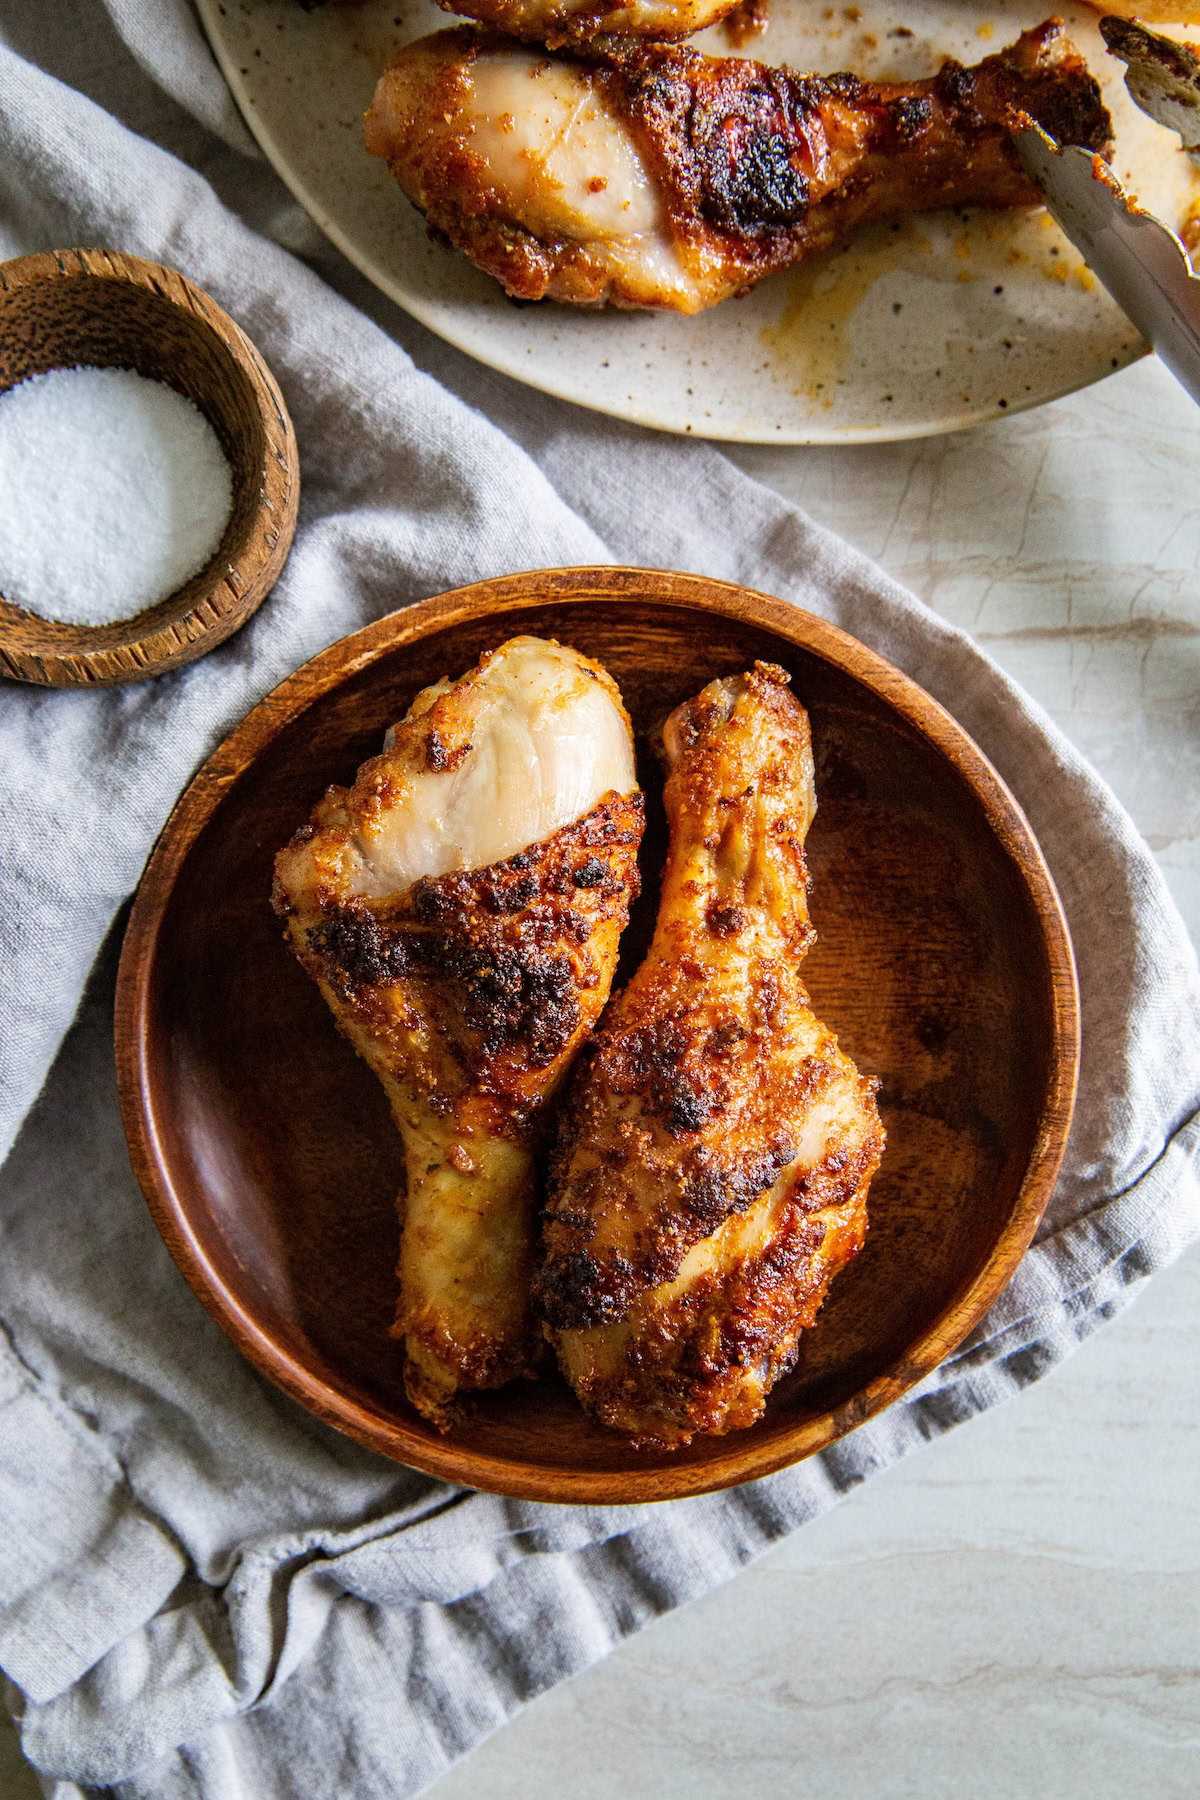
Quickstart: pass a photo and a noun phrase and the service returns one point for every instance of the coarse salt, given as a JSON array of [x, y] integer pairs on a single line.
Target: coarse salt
[[114, 491]]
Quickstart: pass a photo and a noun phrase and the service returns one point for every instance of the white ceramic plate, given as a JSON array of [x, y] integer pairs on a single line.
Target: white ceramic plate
[[939, 321]]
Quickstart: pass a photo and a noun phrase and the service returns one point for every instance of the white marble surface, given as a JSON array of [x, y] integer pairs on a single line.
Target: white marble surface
[[1014, 1612], [1067, 542]]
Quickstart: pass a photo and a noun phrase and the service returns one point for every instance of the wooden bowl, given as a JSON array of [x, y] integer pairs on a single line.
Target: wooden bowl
[[265, 1147], [61, 308]]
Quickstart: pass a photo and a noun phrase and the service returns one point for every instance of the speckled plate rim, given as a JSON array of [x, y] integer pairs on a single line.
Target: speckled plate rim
[[736, 1460], [631, 412]]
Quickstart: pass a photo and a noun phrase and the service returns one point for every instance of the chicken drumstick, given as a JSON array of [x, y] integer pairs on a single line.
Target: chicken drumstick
[[459, 908], [713, 1156], [559, 22], [663, 178]]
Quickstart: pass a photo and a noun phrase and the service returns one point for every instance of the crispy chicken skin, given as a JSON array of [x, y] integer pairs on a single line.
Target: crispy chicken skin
[[663, 178], [711, 1163], [460, 907], [579, 22]]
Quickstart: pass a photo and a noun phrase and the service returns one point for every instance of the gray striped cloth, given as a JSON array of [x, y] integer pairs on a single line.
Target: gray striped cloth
[[203, 1592]]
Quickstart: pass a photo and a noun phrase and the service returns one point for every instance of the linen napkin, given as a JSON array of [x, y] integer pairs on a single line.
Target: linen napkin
[[204, 1593]]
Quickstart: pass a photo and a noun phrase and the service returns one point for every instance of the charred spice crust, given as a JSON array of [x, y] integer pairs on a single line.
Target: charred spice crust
[[495, 936]]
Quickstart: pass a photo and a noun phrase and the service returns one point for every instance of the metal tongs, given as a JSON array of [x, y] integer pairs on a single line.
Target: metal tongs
[[1143, 265]]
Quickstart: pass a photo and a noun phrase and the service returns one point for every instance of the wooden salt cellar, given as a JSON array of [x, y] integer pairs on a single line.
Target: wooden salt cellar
[[62, 308]]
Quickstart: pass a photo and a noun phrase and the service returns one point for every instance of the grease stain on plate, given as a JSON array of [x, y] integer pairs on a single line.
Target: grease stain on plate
[[812, 341]]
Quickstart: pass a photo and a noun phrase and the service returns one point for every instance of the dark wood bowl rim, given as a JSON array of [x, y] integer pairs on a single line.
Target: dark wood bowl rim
[[220, 598], [732, 1461]]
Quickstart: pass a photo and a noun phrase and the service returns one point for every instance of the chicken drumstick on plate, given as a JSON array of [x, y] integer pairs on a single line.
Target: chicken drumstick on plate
[[561, 22], [664, 178]]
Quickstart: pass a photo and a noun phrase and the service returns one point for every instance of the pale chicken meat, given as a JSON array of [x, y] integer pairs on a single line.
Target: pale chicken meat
[[711, 1164], [658, 177], [460, 908]]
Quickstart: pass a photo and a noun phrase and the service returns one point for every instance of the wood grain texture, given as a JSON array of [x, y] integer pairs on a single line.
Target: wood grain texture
[[265, 1148], [17, 1779], [62, 308]]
